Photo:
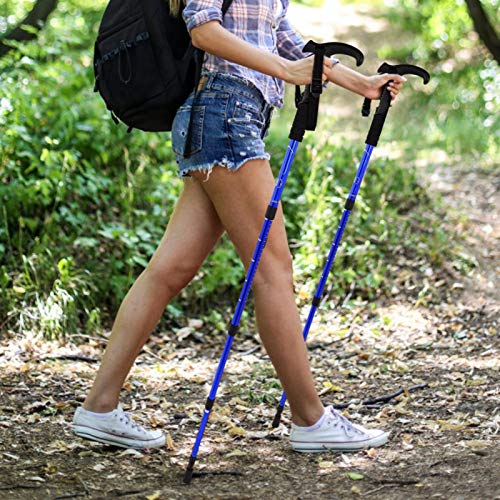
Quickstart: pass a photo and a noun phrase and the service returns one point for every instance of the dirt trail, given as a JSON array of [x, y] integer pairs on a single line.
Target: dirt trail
[[443, 442], [336, 21], [354, 24]]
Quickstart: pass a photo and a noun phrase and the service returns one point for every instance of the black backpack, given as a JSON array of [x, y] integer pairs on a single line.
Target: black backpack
[[145, 65]]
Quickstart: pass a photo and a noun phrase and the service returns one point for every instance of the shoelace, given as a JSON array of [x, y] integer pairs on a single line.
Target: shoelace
[[127, 418], [345, 424]]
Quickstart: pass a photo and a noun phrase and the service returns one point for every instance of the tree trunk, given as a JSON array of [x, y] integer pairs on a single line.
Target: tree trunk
[[484, 28], [38, 14]]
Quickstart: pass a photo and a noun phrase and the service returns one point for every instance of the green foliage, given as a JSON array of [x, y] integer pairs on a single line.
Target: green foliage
[[460, 108], [11, 12], [394, 216], [70, 194], [84, 205], [310, 3]]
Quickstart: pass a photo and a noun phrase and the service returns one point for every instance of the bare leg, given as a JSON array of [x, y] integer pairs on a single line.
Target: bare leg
[[193, 230], [240, 199]]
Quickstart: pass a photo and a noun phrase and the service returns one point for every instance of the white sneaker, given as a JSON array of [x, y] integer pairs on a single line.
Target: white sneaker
[[335, 432], [118, 429]]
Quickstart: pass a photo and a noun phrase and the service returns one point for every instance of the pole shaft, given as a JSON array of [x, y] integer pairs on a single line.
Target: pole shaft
[[273, 205], [363, 165]]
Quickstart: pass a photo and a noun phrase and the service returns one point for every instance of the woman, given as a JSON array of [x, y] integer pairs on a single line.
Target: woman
[[228, 184]]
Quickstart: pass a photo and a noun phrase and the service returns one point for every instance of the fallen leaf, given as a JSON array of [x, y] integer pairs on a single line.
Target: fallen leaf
[[86, 453], [325, 465], [257, 434], [131, 451], [476, 382], [50, 469], [235, 453], [476, 444], [195, 323], [154, 496], [170, 443], [183, 333], [355, 476], [329, 387], [403, 411], [61, 404], [450, 425], [237, 431]]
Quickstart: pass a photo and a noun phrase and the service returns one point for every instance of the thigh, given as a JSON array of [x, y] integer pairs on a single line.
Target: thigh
[[241, 199], [192, 232]]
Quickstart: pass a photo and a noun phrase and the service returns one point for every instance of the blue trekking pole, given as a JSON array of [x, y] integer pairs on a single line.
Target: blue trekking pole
[[371, 141], [305, 119]]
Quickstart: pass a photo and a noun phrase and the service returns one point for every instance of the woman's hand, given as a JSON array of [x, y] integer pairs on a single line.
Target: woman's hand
[[376, 82], [366, 86]]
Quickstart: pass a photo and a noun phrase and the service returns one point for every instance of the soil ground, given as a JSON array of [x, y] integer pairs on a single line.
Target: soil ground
[[443, 436]]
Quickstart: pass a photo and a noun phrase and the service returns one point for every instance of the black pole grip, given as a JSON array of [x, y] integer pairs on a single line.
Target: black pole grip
[[307, 103], [405, 69], [379, 118], [306, 116], [385, 98], [317, 76], [335, 48], [322, 50]]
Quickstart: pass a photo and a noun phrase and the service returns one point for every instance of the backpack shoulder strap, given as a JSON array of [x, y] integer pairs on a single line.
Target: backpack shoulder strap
[[225, 6]]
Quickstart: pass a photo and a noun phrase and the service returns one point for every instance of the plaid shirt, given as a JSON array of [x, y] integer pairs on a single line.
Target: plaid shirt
[[257, 22]]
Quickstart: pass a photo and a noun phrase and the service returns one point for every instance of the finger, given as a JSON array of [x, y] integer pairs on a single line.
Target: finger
[[396, 85], [328, 63], [393, 95], [396, 78], [394, 89]]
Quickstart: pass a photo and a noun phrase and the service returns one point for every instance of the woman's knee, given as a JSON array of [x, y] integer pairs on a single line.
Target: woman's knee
[[170, 278], [275, 270]]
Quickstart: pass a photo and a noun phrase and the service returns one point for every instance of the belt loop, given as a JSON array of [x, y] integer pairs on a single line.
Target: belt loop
[[210, 79]]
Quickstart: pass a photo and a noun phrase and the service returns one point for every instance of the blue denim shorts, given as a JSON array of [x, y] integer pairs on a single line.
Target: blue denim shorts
[[230, 120]]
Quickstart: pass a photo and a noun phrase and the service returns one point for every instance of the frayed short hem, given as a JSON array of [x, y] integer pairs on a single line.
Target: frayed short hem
[[207, 168]]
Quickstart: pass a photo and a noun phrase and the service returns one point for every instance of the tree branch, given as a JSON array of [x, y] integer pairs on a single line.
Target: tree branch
[[484, 28], [38, 14]]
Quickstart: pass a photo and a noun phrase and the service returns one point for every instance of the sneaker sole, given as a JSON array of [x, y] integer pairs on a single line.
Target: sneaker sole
[[106, 438], [313, 447]]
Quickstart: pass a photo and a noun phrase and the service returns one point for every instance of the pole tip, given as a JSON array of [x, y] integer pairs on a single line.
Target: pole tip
[[277, 417], [188, 476], [189, 470]]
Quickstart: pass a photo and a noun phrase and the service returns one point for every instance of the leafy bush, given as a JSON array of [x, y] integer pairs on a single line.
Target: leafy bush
[[394, 218], [84, 204]]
